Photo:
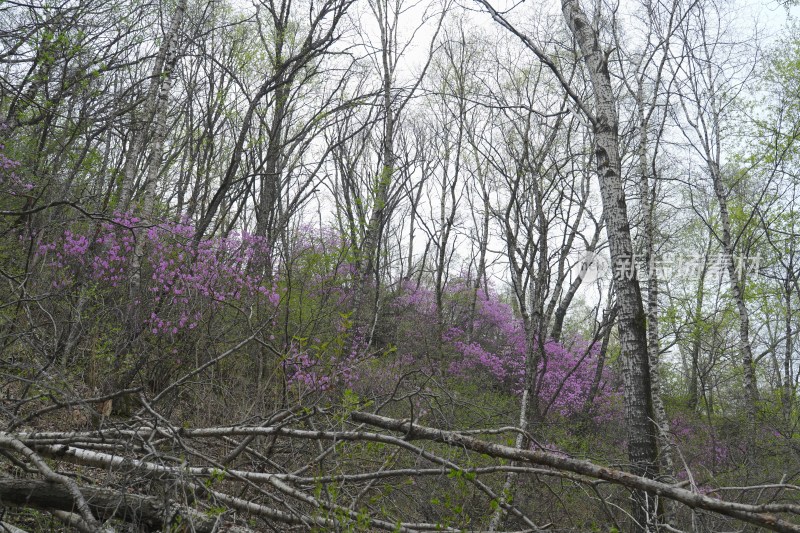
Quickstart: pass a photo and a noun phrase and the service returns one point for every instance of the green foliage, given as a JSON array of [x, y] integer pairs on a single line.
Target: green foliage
[[215, 511], [216, 476]]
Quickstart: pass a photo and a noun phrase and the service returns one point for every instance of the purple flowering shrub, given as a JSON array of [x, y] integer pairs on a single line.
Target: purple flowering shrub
[[178, 286], [703, 449], [323, 366], [322, 351], [496, 345], [180, 282], [491, 346], [13, 186], [159, 282], [408, 321], [151, 299], [10, 181], [178, 290]]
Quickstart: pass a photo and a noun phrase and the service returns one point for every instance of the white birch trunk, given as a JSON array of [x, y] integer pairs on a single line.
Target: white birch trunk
[[642, 432]]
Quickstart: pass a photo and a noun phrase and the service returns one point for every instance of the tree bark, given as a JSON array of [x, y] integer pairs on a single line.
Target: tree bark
[[648, 185], [642, 432], [745, 346], [155, 100], [760, 515], [377, 220], [107, 504]]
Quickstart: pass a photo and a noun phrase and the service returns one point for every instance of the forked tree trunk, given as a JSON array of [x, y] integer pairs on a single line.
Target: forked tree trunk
[[647, 177], [152, 130], [377, 220], [267, 213], [156, 118]]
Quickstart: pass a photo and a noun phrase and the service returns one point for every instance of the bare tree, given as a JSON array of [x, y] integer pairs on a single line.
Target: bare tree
[[393, 100], [318, 37], [707, 99], [603, 118]]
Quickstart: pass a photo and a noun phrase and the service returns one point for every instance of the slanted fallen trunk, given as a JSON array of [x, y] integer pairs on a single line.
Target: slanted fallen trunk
[[107, 503], [761, 515]]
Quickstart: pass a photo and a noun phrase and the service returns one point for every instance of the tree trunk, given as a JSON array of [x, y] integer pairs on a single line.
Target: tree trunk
[[150, 513], [377, 220], [745, 346], [648, 187], [788, 388], [155, 117], [154, 102], [270, 193], [609, 317], [642, 432]]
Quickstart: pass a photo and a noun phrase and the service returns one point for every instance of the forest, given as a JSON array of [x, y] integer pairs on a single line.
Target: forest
[[399, 265]]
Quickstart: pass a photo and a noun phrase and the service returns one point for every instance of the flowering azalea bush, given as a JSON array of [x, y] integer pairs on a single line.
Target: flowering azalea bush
[[701, 447], [170, 276], [316, 368], [493, 343], [14, 188], [176, 282], [322, 352]]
